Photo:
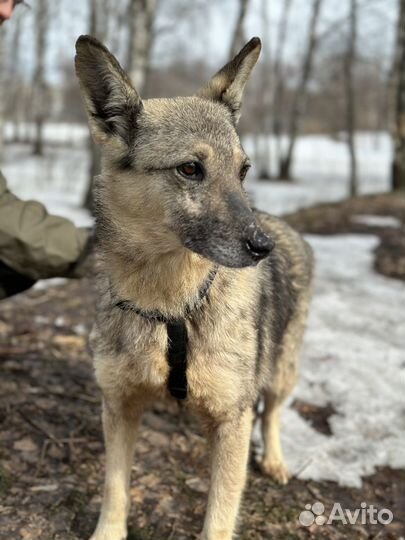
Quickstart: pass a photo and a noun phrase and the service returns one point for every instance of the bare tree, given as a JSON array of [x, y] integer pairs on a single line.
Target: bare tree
[[349, 68], [116, 21], [141, 18], [263, 140], [238, 36], [15, 85], [95, 157], [300, 96], [39, 83], [398, 165], [2, 87], [278, 79]]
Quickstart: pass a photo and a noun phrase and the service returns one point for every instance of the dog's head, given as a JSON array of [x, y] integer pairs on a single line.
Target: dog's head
[[173, 169]]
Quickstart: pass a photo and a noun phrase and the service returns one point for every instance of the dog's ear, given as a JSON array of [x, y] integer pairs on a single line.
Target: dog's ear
[[228, 84], [111, 101]]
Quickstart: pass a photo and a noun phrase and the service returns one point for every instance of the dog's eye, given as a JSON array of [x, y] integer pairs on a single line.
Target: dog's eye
[[191, 170], [243, 171]]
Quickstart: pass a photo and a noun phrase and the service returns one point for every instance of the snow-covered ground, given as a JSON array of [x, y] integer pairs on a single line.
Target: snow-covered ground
[[58, 180], [354, 360], [353, 357], [321, 169]]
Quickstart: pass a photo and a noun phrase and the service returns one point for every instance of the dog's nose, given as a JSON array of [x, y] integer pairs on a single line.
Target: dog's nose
[[259, 245]]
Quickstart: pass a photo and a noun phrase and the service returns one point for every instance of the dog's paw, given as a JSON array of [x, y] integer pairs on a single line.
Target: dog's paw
[[110, 532], [218, 535], [276, 470]]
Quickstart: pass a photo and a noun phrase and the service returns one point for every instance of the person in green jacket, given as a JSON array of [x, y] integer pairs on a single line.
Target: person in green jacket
[[34, 244]]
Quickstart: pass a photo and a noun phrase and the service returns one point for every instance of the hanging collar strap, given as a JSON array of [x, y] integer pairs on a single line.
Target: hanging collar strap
[[177, 337], [177, 340]]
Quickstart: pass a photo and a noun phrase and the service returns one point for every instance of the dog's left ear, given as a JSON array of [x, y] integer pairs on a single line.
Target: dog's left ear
[[228, 84]]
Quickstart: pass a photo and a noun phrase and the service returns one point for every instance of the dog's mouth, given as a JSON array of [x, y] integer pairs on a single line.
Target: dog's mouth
[[239, 253]]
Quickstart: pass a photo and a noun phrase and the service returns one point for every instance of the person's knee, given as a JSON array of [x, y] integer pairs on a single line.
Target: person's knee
[[12, 282]]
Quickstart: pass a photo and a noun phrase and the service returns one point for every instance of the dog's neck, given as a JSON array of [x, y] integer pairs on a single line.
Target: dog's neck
[[167, 284]]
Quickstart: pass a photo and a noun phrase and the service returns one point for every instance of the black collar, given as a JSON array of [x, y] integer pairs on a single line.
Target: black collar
[[157, 316], [176, 335]]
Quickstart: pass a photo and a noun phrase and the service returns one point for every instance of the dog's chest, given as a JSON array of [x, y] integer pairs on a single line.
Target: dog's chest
[[219, 364]]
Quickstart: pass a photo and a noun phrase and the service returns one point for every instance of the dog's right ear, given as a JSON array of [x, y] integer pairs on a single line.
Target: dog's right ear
[[112, 103]]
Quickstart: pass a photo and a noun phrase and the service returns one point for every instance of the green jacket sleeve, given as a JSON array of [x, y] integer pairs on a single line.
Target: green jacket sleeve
[[34, 243]]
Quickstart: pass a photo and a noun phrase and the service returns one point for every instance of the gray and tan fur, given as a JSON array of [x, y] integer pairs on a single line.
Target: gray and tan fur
[[170, 207]]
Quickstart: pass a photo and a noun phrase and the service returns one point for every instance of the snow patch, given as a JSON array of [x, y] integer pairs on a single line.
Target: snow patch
[[321, 171], [354, 359], [377, 221]]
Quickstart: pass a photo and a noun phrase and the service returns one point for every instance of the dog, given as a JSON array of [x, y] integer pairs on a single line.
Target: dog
[[201, 298]]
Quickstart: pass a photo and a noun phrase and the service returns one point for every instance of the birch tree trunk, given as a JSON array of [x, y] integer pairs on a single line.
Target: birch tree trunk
[[141, 18], [238, 37], [95, 156], [351, 98], [398, 165], [39, 84], [2, 88], [278, 80], [16, 86], [263, 136], [300, 96]]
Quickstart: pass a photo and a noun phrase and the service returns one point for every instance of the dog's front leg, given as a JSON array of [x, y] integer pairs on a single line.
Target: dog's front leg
[[120, 424], [230, 451]]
